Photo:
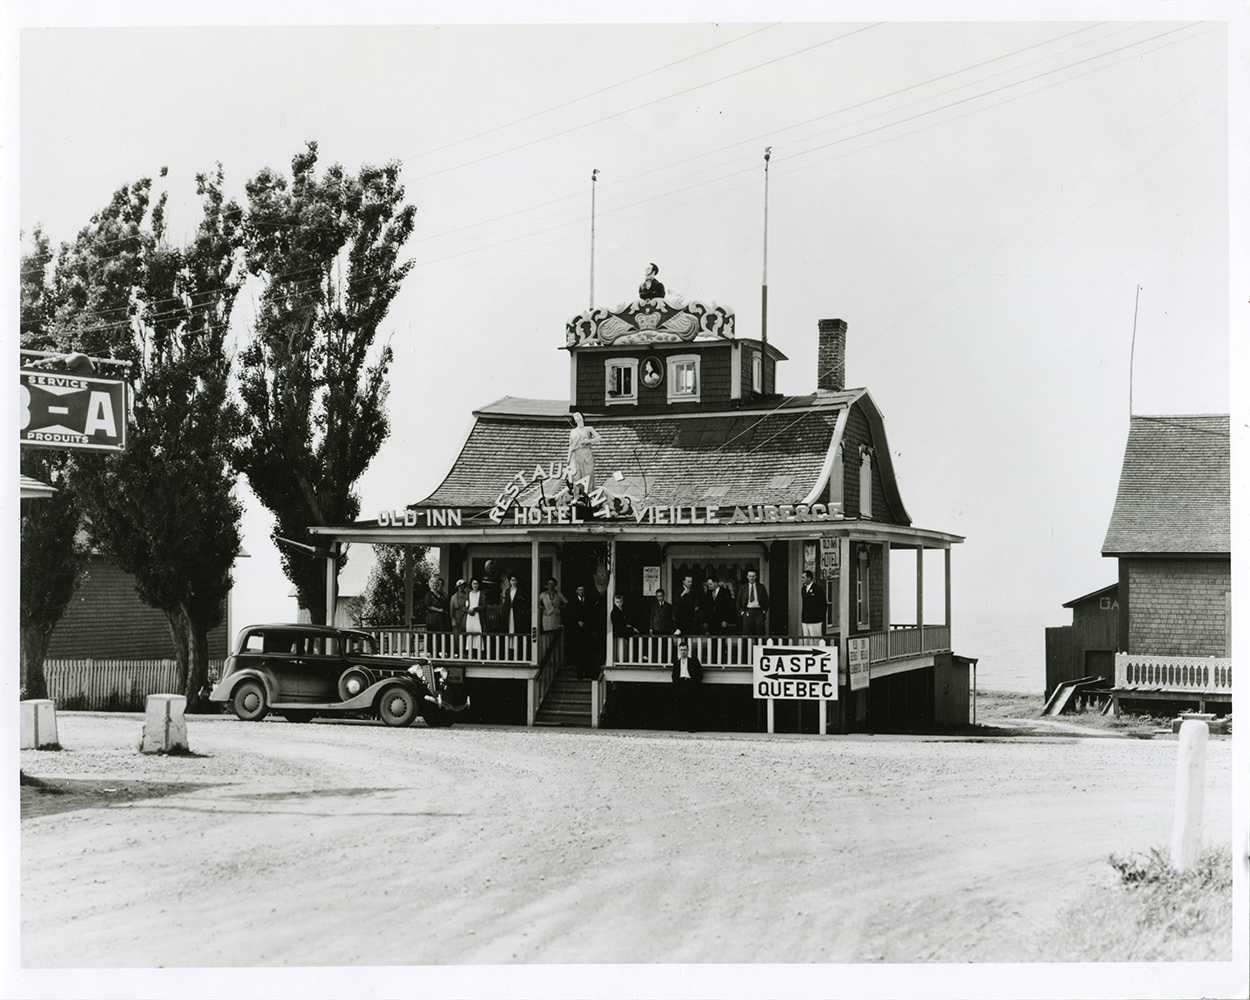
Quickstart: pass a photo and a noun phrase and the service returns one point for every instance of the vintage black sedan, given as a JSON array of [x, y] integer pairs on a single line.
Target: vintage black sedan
[[302, 671]]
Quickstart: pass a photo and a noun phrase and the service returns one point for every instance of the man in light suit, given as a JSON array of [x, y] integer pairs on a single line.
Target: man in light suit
[[687, 676], [753, 606]]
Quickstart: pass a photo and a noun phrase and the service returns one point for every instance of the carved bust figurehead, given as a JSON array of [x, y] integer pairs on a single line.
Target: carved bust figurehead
[[651, 287]]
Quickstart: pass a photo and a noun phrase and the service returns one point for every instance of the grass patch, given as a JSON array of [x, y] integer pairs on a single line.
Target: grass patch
[[1008, 705], [1155, 913], [1128, 723]]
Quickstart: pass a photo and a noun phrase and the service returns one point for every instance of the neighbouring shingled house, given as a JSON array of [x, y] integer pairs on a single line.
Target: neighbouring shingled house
[[674, 457], [109, 643], [1170, 532]]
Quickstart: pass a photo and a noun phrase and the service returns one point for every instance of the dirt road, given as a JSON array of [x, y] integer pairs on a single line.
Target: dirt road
[[336, 843]]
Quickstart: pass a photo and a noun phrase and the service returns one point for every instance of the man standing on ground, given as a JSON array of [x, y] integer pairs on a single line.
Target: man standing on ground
[[812, 617], [753, 605], [687, 675]]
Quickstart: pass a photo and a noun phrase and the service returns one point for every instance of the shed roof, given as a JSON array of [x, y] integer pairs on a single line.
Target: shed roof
[[1103, 592], [772, 454], [1174, 488]]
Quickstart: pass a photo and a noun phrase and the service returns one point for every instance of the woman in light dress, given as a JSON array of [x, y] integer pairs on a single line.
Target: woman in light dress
[[473, 617]]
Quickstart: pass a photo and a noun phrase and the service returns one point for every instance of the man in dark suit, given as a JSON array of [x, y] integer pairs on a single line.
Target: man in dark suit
[[812, 617], [661, 615], [579, 627], [722, 615], [687, 613], [687, 676], [753, 606]]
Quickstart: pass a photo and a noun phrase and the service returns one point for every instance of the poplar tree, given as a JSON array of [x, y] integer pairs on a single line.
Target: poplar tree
[[53, 552], [163, 510], [312, 383]]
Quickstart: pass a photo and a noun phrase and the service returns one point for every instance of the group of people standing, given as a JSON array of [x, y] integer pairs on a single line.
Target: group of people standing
[[478, 606], [713, 610]]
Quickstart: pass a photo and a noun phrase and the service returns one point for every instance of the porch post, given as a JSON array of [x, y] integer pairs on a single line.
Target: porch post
[[920, 589], [948, 589], [846, 708], [332, 583], [531, 685], [885, 588], [408, 587], [535, 611], [609, 659]]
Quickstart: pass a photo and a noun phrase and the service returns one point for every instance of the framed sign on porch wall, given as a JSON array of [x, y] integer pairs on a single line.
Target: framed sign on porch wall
[[830, 567]]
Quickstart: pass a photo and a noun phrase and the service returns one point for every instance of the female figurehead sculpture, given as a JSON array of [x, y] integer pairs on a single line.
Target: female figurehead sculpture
[[581, 462]]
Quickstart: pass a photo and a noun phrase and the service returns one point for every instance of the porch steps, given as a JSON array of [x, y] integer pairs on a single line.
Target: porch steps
[[567, 702]]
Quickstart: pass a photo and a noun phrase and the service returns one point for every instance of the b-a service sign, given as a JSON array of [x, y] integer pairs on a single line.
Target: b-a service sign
[[60, 410], [801, 672]]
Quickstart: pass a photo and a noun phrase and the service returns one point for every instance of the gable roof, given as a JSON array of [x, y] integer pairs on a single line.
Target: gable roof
[[1174, 488], [772, 454]]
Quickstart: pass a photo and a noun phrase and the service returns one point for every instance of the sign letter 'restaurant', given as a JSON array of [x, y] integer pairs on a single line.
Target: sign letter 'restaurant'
[[808, 673], [72, 411]]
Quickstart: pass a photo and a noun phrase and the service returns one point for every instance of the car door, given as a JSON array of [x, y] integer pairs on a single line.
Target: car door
[[284, 657], [323, 663]]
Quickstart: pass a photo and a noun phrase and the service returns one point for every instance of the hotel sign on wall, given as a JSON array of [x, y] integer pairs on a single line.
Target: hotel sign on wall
[[60, 410], [808, 673]]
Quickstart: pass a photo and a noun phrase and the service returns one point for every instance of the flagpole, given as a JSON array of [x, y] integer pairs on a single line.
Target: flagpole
[[594, 177], [764, 291]]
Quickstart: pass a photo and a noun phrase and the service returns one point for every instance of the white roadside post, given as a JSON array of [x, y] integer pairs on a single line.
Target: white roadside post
[[1190, 780], [165, 724], [38, 724]]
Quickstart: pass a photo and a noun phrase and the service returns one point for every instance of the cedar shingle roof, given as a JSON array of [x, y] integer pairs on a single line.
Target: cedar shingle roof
[[720, 458], [1174, 488]]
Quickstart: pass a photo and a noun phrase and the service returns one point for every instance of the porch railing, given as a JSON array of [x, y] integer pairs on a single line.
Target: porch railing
[[550, 657], [467, 646], [717, 652], [1204, 674], [908, 640]]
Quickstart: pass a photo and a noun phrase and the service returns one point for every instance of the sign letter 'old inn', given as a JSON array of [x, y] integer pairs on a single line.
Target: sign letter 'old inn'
[[675, 467]]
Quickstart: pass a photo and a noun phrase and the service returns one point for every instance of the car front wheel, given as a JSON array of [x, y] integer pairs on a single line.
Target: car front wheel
[[249, 701], [397, 707]]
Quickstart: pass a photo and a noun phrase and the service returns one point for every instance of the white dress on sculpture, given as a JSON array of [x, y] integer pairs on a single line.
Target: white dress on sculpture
[[581, 461]]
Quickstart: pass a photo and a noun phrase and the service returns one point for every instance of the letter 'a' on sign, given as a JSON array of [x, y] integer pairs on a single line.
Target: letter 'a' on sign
[[64, 410]]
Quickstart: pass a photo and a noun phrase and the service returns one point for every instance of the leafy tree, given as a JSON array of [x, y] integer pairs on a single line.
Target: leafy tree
[[163, 510], [382, 603], [53, 551], [327, 251]]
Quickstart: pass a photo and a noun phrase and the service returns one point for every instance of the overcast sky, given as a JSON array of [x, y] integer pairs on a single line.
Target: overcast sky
[[979, 201]]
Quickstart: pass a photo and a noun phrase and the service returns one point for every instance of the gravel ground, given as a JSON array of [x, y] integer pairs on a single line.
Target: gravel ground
[[349, 844]]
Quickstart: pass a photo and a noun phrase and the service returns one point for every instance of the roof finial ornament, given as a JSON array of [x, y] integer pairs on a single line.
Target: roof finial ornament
[[651, 287]]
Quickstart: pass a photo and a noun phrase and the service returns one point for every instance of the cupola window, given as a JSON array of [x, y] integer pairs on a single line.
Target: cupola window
[[683, 378], [622, 380]]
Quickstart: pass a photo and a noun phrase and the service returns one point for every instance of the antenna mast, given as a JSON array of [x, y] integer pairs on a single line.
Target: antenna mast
[[594, 177], [768, 151], [1131, 351]]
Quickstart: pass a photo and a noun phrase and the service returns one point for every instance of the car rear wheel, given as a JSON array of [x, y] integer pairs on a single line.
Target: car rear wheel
[[298, 715], [397, 706], [353, 681], [249, 701]]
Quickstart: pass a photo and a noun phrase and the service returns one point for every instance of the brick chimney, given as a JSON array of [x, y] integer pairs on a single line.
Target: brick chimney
[[831, 356]]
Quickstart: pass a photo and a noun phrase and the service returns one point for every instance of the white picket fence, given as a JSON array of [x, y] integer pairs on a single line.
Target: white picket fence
[[122, 684]]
